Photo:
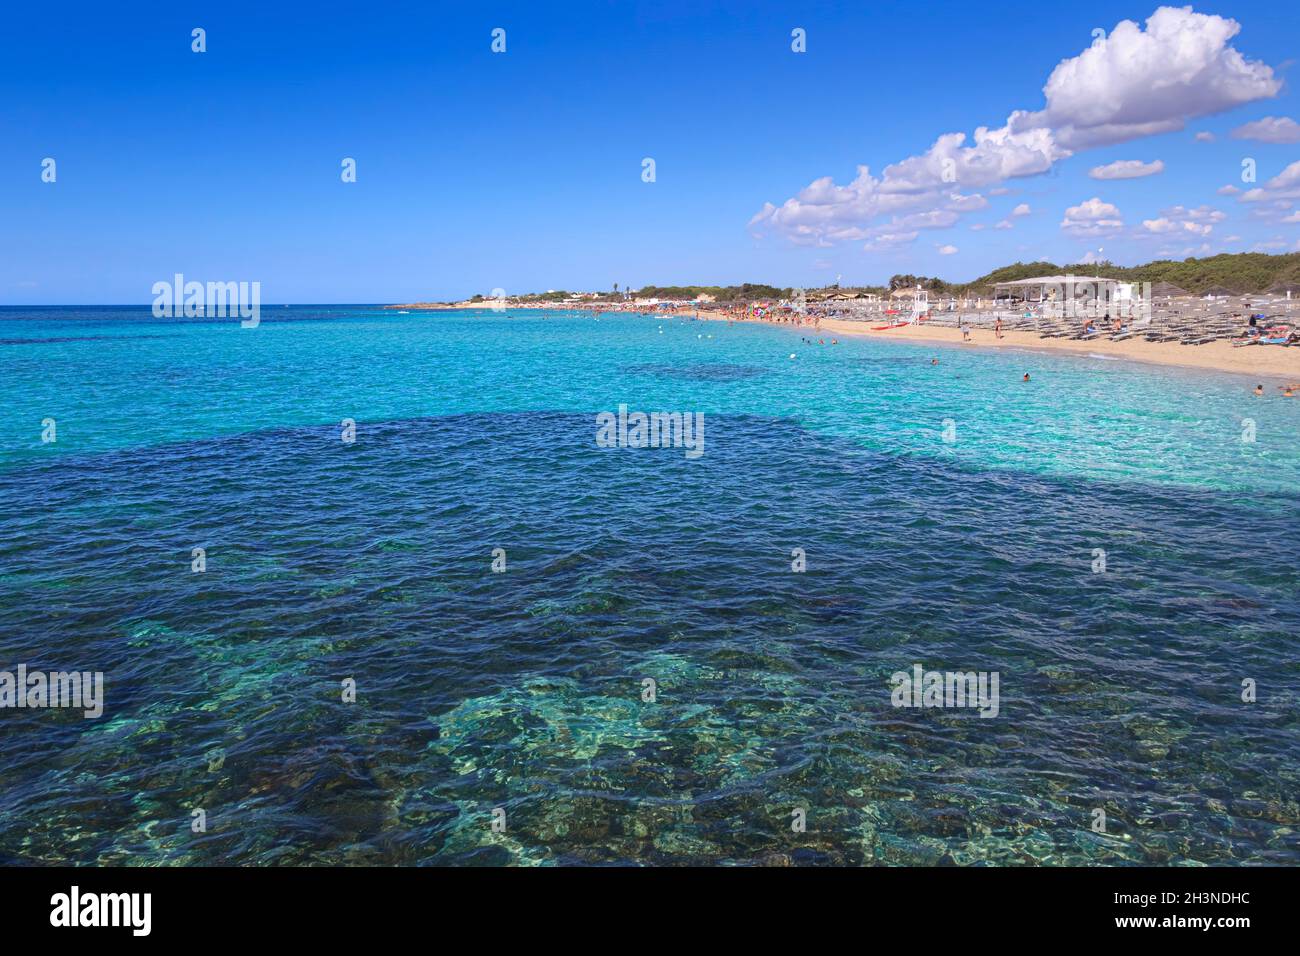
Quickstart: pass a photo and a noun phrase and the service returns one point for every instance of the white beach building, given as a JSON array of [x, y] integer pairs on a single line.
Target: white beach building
[[1068, 294]]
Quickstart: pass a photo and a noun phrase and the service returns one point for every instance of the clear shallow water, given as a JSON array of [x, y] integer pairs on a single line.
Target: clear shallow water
[[522, 690]]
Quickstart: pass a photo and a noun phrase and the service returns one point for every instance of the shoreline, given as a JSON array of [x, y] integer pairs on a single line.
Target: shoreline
[[1280, 364], [1261, 361]]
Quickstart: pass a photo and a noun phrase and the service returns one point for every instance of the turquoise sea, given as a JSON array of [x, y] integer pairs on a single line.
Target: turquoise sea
[[950, 515]]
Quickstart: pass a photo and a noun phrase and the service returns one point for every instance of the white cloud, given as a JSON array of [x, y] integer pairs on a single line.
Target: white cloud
[[1270, 129], [946, 250], [824, 213], [1204, 137], [1228, 190], [1127, 169], [1179, 219], [1199, 214], [1005, 224], [1021, 210], [1285, 185], [1133, 83], [1138, 82], [889, 240], [1092, 218]]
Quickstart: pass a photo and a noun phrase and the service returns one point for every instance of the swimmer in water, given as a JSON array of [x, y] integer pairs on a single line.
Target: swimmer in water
[[1288, 391], [1259, 389], [1026, 378], [934, 361]]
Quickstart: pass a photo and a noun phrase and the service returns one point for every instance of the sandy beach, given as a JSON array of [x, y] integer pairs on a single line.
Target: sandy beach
[[1261, 360], [1272, 363]]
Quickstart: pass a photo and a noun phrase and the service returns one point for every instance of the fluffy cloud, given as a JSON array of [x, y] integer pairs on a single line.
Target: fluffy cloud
[[1159, 225], [824, 213], [1204, 137], [1021, 210], [947, 250], [1139, 82], [1165, 225], [885, 241], [1228, 190], [1270, 129], [1201, 214], [1285, 185], [1132, 83], [1199, 221], [1127, 169], [1092, 218]]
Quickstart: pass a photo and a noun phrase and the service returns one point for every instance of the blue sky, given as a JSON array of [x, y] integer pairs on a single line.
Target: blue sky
[[522, 170]]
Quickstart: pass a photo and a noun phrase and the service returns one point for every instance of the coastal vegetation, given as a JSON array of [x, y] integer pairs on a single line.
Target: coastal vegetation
[[1241, 273], [747, 292]]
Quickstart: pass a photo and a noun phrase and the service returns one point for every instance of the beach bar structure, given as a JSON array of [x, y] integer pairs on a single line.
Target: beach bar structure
[[1058, 294]]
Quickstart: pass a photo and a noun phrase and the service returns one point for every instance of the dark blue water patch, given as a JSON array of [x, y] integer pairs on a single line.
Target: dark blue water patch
[[892, 360], [717, 372], [523, 689]]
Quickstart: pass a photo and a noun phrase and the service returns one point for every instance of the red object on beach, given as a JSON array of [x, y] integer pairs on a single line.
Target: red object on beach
[[882, 328]]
